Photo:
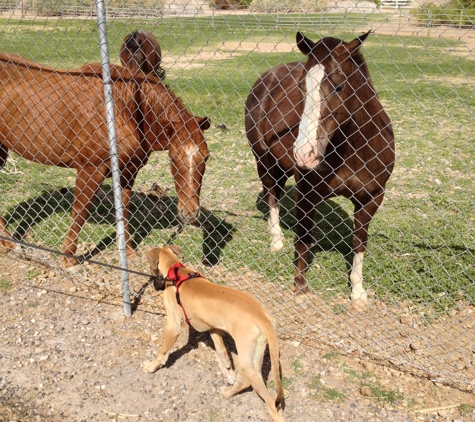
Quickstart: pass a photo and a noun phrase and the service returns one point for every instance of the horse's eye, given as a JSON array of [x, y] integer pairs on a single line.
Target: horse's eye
[[339, 88]]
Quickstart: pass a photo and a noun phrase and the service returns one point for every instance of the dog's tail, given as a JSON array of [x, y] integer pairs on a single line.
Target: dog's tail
[[275, 365]]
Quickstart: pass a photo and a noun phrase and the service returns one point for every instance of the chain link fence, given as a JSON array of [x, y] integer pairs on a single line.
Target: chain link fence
[[419, 265]]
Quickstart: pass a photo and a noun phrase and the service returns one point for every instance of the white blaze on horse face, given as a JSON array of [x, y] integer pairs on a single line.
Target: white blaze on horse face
[[191, 150], [305, 147]]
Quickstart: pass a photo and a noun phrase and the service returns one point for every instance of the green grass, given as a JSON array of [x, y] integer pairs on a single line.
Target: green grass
[[322, 392], [382, 394], [466, 409], [5, 285], [421, 241]]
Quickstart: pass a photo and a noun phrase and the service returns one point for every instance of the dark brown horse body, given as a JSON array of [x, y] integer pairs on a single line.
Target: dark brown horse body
[[140, 52], [57, 117], [322, 122]]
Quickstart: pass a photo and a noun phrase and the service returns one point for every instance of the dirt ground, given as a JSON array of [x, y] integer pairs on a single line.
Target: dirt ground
[[67, 352]]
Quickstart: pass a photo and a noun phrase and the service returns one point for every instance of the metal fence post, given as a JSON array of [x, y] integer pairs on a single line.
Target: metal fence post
[[109, 103]]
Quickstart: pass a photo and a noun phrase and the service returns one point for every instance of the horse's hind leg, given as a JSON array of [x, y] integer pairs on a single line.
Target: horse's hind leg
[[88, 181], [363, 215]]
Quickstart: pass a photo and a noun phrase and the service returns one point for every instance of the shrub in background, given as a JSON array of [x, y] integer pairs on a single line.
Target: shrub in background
[[458, 13]]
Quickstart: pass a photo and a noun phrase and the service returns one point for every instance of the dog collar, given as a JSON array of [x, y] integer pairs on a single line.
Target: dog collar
[[176, 278]]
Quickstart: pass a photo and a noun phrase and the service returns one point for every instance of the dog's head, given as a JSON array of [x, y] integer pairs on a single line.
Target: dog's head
[[153, 257]]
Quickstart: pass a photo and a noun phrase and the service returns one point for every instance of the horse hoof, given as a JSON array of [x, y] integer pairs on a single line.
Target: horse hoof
[[277, 246], [299, 290], [303, 300], [74, 268], [15, 248], [360, 305]]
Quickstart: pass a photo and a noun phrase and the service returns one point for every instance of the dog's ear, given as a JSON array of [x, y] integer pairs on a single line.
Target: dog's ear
[[177, 251], [152, 258]]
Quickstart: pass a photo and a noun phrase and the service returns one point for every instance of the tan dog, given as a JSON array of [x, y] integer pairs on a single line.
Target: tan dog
[[217, 309]]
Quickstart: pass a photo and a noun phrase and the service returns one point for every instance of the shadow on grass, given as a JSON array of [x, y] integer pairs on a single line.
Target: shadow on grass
[[333, 225], [148, 212]]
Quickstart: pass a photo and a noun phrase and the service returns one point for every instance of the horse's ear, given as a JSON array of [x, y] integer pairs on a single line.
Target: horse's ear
[[304, 44], [204, 122], [352, 47]]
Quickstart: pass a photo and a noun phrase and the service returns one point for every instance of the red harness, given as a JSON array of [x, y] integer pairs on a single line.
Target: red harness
[[176, 278]]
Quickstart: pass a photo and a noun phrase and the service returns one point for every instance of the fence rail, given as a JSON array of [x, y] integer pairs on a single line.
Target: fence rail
[[418, 269]]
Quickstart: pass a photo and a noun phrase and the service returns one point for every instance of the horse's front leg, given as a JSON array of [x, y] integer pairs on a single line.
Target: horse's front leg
[[273, 180], [88, 181], [3, 225], [7, 235], [363, 215], [3, 155], [305, 204], [127, 183]]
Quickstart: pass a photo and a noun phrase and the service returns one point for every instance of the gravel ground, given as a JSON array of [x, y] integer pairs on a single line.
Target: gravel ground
[[68, 353]]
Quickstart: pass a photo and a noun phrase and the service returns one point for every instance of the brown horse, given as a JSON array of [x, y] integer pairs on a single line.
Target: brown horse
[[57, 117], [140, 51], [322, 122]]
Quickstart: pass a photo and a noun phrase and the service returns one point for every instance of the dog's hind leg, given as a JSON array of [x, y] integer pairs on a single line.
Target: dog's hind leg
[[251, 360], [241, 384], [222, 356]]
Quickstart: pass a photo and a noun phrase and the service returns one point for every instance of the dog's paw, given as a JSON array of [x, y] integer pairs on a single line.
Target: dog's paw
[[150, 366], [226, 392], [230, 377]]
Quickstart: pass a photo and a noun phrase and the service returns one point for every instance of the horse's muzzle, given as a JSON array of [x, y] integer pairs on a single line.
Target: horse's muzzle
[[309, 155], [189, 217], [308, 161]]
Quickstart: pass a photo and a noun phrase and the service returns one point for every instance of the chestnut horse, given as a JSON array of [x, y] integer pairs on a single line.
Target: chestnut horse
[[57, 117], [140, 51], [322, 122]]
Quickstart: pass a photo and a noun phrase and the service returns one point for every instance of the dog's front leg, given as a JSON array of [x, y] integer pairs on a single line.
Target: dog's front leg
[[170, 336], [222, 356], [171, 333]]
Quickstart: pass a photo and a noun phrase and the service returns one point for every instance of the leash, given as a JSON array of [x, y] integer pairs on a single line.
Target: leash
[[177, 279]]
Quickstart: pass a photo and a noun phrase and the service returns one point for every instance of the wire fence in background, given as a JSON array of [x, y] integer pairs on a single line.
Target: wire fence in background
[[419, 265]]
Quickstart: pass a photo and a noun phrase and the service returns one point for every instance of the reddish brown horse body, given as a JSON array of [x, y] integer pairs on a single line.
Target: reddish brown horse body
[[57, 117], [140, 52], [321, 122]]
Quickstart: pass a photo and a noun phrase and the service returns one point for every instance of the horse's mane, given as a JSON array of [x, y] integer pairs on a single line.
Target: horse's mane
[[117, 72], [164, 103]]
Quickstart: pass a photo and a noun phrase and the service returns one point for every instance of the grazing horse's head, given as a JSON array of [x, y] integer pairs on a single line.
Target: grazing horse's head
[[169, 125], [329, 86], [189, 152]]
